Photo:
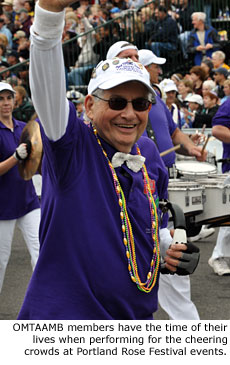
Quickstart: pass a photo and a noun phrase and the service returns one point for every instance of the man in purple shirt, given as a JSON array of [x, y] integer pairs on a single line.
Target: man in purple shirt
[[99, 255], [219, 260], [19, 203]]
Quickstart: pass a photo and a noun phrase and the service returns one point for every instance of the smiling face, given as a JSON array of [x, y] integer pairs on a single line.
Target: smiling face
[[120, 128]]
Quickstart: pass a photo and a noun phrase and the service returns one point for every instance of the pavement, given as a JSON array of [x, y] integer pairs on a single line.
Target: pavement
[[210, 293]]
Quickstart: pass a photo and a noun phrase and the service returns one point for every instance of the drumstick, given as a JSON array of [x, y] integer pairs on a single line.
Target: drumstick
[[204, 126], [170, 150], [205, 144]]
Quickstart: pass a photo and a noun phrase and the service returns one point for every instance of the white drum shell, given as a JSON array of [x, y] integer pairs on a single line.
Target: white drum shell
[[216, 200], [187, 194]]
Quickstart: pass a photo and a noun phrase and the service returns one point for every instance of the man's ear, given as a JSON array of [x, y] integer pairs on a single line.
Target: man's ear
[[89, 104]]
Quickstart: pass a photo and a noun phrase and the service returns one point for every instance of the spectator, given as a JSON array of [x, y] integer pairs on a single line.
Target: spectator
[[210, 109], [226, 91], [220, 76], [4, 40], [164, 35], [195, 105], [207, 65], [71, 50], [197, 76], [104, 39], [208, 85], [169, 96], [218, 59], [203, 39], [12, 58], [5, 31], [185, 88], [29, 6], [24, 21], [148, 23], [7, 7], [9, 21], [87, 58], [23, 107], [22, 45], [177, 77], [2, 53], [4, 66], [23, 75], [183, 18]]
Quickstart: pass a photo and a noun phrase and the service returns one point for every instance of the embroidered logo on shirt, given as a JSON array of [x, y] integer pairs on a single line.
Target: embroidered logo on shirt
[[152, 187]]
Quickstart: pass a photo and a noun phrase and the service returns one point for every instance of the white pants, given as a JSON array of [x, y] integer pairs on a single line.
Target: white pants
[[222, 248], [174, 297], [29, 226]]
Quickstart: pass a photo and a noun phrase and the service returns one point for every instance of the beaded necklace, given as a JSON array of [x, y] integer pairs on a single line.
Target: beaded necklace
[[128, 238]]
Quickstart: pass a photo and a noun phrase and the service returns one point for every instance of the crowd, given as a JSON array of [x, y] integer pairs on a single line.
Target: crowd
[[188, 100], [162, 26]]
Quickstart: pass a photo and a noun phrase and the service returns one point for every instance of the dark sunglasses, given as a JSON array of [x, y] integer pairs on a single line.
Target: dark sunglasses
[[119, 103]]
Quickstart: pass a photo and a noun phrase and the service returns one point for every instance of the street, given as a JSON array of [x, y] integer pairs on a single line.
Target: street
[[210, 293]]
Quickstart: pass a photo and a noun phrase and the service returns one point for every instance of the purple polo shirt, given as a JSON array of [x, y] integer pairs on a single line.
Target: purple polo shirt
[[222, 117], [164, 127], [82, 269], [17, 196]]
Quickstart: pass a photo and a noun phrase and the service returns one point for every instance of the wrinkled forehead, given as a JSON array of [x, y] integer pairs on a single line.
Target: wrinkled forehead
[[128, 53], [129, 85]]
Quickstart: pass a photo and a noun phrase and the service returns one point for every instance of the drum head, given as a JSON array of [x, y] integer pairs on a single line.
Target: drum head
[[195, 168]]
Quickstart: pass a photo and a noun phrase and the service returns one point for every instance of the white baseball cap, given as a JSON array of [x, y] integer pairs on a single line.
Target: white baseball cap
[[117, 71], [146, 57], [168, 85], [195, 98], [5, 86], [118, 47]]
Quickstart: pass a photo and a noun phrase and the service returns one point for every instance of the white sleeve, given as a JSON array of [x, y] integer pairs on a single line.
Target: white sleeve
[[165, 241], [47, 72]]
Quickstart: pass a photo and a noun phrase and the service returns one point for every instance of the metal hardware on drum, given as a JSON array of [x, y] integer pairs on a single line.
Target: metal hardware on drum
[[216, 202], [187, 194]]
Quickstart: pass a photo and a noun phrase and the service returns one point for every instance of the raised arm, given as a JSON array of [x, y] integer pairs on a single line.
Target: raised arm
[[47, 76]]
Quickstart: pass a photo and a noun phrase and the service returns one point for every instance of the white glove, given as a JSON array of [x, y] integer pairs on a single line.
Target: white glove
[[21, 152]]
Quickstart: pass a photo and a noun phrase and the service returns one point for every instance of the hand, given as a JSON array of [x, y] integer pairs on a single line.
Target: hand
[[181, 259], [197, 138], [55, 5], [200, 48], [21, 152], [196, 151], [209, 46]]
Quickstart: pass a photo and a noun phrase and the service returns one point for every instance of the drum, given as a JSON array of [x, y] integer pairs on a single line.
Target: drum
[[216, 202], [191, 170], [187, 194]]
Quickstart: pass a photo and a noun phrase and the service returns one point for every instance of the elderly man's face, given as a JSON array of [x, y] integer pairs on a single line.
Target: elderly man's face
[[195, 22], [154, 72], [120, 128]]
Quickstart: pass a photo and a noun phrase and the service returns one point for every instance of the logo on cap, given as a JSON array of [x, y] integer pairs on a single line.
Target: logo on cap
[[105, 66]]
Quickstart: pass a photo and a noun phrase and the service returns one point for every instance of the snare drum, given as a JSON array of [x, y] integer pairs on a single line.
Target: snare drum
[[216, 201], [192, 170], [187, 194]]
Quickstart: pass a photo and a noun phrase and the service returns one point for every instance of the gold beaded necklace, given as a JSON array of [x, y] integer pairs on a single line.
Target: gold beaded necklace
[[128, 238]]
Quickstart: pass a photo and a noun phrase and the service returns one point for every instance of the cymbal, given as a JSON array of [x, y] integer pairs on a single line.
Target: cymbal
[[31, 133]]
